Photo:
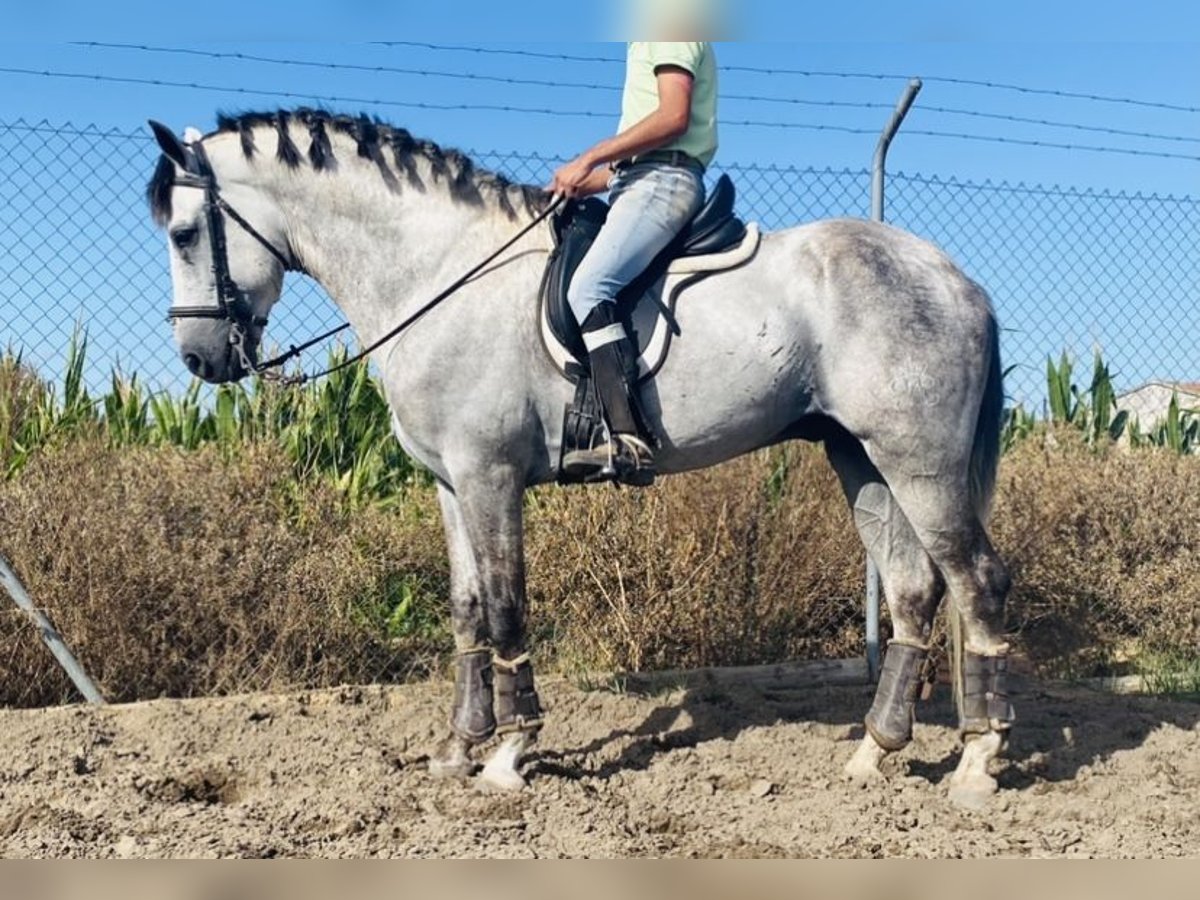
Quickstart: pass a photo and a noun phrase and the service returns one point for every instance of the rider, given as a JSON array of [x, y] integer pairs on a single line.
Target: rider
[[654, 167]]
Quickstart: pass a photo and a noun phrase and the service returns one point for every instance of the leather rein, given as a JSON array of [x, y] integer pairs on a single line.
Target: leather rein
[[233, 307]]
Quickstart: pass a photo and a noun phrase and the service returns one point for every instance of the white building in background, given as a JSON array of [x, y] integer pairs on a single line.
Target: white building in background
[[1148, 403]]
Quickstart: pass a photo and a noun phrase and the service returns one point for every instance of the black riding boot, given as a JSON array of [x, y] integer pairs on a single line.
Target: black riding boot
[[625, 455]]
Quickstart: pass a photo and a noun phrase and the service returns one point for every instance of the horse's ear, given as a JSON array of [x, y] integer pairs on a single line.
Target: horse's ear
[[171, 146]]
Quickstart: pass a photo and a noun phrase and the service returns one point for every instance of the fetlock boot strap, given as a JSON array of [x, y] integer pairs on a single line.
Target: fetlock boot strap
[[517, 705], [473, 718], [985, 699], [890, 720]]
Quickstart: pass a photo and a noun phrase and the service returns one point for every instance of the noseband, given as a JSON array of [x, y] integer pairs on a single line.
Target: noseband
[[232, 305]]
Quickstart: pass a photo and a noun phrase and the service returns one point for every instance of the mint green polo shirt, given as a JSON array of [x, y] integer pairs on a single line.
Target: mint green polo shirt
[[641, 91]]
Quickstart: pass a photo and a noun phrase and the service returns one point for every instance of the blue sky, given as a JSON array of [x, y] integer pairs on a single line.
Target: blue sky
[[1159, 72]]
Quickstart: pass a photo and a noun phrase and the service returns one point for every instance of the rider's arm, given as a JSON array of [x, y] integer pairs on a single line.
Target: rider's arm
[[583, 176]]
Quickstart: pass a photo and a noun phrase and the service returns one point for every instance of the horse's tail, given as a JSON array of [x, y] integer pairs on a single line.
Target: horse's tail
[[985, 452], [985, 458]]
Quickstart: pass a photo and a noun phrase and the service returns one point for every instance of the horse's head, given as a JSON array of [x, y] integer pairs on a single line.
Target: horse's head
[[228, 246]]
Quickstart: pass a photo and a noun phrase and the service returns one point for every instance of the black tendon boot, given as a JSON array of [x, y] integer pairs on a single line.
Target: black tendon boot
[[626, 455], [905, 670], [473, 718]]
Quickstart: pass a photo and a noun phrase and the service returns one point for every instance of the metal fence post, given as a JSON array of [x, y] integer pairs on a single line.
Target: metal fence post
[[878, 178], [50, 636]]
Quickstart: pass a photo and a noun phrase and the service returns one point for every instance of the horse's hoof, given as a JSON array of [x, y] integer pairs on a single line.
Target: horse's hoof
[[500, 773], [451, 770], [858, 772], [500, 780], [452, 759], [971, 787], [972, 793], [863, 767]]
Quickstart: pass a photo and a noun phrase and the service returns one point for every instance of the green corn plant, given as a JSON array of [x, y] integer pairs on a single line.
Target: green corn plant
[[337, 429], [1093, 411], [25, 412], [35, 414], [1018, 424], [126, 412], [227, 430], [180, 422], [1105, 420], [1136, 436], [77, 409], [1180, 430], [1061, 393]]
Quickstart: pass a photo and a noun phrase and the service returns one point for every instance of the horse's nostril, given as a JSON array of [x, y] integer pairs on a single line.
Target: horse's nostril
[[197, 365]]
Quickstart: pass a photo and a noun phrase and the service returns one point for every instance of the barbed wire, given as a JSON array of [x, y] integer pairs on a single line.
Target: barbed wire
[[816, 73], [352, 67], [964, 136], [1003, 187], [537, 82], [500, 51], [1075, 126], [300, 95], [577, 113], [1054, 145]]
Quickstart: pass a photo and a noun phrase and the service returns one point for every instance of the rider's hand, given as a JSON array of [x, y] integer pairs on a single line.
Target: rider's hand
[[572, 179]]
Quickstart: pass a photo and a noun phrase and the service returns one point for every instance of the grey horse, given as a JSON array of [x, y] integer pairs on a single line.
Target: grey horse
[[848, 332]]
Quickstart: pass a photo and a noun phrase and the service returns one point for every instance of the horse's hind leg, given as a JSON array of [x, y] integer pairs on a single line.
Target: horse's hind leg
[[944, 517], [913, 587]]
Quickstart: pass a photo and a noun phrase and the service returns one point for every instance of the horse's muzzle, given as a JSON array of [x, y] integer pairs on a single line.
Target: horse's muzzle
[[206, 351]]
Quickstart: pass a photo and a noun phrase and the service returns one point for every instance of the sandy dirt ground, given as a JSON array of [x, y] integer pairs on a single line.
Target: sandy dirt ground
[[708, 772]]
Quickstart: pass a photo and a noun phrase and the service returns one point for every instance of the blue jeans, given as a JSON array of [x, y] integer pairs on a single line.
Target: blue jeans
[[651, 203]]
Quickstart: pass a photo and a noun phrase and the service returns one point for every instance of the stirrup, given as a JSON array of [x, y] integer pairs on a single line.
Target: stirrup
[[623, 457]]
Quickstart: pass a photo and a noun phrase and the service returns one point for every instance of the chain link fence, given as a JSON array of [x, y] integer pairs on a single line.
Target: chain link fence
[[1068, 270], [1073, 270]]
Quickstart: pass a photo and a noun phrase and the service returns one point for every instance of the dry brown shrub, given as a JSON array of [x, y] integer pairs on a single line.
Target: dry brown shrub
[[181, 574], [1104, 548], [752, 561]]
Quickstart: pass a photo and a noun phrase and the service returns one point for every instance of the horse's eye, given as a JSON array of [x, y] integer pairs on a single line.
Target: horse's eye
[[184, 237]]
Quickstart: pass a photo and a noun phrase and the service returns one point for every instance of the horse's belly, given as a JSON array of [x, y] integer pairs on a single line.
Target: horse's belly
[[730, 386]]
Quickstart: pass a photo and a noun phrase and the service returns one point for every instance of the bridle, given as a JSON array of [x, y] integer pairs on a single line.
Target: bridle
[[232, 305]]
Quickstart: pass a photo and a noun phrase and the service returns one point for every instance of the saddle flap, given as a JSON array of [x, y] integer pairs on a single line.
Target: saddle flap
[[574, 228]]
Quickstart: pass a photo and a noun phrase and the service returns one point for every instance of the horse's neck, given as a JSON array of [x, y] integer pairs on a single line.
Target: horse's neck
[[380, 253]]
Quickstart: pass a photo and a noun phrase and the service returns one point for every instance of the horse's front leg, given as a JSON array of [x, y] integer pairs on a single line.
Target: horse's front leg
[[494, 690], [472, 719], [495, 522]]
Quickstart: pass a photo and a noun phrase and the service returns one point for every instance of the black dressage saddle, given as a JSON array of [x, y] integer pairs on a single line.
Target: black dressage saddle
[[714, 230]]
